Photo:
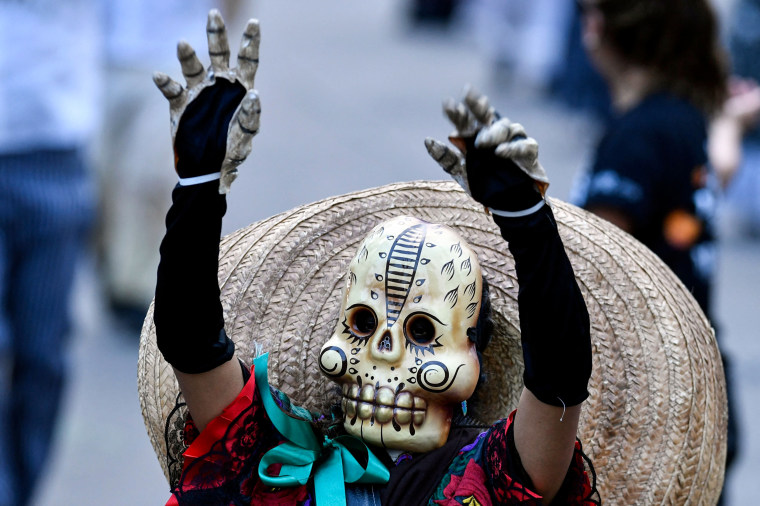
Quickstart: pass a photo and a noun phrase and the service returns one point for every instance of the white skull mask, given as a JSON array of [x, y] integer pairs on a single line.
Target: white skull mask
[[401, 351]]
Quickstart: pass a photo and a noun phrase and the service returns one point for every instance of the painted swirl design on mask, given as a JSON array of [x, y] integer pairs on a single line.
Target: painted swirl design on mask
[[433, 376], [333, 362]]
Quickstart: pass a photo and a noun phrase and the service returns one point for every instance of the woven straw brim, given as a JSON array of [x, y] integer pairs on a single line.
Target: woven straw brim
[[655, 423]]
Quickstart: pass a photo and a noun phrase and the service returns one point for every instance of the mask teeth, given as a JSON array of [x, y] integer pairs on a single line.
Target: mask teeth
[[400, 270], [383, 405]]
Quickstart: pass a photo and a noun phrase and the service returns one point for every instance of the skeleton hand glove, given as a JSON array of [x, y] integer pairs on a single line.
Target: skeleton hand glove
[[215, 118], [500, 170], [497, 164], [213, 122]]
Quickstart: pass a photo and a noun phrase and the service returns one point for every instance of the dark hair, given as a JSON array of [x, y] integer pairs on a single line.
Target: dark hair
[[677, 39], [482, 332]]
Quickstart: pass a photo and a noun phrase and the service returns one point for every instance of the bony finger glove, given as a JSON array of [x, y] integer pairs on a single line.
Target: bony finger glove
[[494, 160], [215, 118]]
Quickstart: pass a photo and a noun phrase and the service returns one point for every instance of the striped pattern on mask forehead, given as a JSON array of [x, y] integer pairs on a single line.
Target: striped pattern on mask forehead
[[400, 269]]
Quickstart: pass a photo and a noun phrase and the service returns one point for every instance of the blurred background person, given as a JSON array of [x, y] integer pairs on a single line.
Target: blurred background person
[[48, 98], [666, 74], [732, 148], [133, 145], [577, 84], [523, 40], [735, 135]]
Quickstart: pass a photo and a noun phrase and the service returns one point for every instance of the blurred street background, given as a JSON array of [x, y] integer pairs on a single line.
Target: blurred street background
[[349, 92]]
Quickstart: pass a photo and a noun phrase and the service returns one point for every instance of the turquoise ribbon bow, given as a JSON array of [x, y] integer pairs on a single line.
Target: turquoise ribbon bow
[[332, 463]]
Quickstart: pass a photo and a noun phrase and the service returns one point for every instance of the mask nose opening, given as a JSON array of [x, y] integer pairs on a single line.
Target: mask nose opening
[[385, 345]]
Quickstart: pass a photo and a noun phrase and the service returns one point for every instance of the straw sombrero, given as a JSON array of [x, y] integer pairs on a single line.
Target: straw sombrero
[[655, 423]]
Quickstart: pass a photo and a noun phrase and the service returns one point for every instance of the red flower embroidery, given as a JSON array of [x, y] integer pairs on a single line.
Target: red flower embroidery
[[470, 488], [247, 441], [190, 432]]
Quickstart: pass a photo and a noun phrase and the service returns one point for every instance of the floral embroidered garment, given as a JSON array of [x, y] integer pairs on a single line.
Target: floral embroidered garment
[[221, 466]]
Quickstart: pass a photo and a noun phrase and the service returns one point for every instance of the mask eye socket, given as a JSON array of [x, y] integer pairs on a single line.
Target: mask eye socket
[[362, 322], [419, 329]]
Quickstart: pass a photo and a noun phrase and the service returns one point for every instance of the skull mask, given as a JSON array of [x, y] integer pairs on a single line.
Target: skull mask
[[400, 350]]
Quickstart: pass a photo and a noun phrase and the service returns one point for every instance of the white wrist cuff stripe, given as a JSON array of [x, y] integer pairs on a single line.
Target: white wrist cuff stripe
[[190, 181], [518, 214]]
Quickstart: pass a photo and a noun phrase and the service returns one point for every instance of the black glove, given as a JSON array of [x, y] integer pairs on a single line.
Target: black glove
[[215, 120], [200, 144], [497, 164], [498, 182], [554, 321], [187, 312]]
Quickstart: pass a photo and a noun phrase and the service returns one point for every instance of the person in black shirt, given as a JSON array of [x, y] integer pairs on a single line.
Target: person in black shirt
[[650, 176]]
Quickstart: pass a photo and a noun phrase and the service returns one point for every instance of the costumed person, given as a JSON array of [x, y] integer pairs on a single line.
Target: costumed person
[[406, 351], [650, 176]]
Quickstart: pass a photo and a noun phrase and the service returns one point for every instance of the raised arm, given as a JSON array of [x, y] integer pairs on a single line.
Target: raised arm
[[498, 165], [739, 114], [213, 120]]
